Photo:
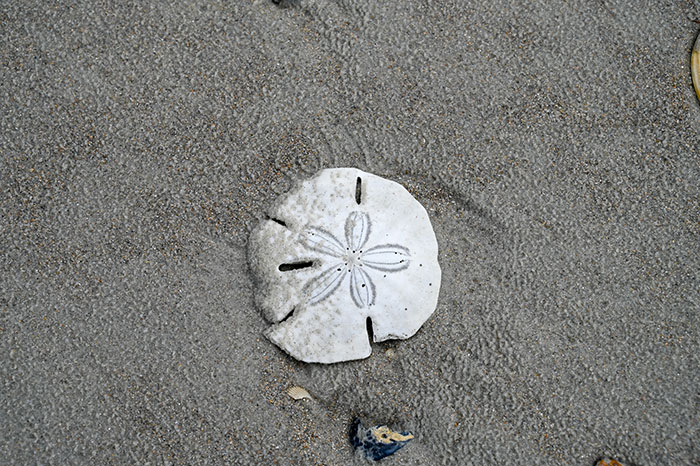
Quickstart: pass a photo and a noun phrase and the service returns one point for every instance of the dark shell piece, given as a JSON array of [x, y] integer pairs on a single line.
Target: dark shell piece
[[377, 442]]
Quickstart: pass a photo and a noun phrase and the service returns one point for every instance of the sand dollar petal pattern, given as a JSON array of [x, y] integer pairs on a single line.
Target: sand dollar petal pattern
[[387, 257], [341, 250], [322, 241], [356, 230], [324, 284], [361, 287]]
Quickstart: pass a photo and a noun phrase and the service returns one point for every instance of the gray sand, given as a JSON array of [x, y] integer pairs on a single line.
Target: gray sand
[[554, 143]]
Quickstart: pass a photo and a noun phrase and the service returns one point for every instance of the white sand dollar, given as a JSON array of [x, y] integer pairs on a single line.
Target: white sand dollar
[[341, 251]]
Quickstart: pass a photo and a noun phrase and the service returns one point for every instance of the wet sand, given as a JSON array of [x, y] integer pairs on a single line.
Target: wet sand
[[554, 144]]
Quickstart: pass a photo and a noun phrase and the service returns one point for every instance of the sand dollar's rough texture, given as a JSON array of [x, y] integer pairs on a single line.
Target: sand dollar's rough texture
[[343, 250]]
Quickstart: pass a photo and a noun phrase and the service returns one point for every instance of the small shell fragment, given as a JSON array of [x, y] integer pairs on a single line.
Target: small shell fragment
[[298, 393], [695, 66]]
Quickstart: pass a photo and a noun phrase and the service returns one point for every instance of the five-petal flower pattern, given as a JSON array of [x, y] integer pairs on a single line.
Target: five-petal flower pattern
[[351, 260]]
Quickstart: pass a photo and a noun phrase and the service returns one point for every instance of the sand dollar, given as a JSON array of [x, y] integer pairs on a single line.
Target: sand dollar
[[345, 257]]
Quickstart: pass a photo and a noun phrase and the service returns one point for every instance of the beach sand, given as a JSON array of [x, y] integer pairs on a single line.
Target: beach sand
[[554, 144]]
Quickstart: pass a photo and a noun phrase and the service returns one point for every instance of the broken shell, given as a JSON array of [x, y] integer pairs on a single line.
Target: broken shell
[[343, 255], [377, 442], [695, 66], [298, 393], [609, 462]]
